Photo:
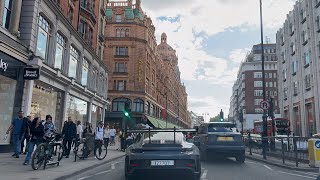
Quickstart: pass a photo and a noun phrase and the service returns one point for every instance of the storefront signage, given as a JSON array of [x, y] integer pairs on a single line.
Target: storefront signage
[[31, 73], [3, 65]]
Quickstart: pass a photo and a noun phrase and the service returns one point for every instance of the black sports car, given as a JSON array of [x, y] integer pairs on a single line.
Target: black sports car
[[162, 152]]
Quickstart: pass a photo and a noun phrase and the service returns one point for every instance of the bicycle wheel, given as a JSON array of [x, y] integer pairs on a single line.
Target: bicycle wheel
[[100, 152], [38, 157], [80, 151], [59, 149]]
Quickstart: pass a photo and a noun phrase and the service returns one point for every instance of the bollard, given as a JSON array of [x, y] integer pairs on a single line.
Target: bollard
[[295, 151], [250, 143]]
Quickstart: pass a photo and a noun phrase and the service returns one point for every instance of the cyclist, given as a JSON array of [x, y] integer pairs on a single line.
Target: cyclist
[[49, 131], [99, 135]]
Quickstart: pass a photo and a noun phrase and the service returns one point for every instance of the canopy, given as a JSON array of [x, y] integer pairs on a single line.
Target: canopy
[[158, 123]]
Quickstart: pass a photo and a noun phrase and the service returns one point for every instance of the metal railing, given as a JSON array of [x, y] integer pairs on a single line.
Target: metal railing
[[286, 148]]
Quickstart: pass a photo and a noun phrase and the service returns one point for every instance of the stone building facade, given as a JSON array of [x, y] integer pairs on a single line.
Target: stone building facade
[[64, 40], [140, 70]]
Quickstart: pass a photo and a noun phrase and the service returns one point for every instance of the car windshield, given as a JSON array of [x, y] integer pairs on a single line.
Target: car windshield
[[163, 138], [221, 127]]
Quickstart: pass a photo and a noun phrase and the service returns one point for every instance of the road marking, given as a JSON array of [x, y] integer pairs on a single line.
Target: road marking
[[86, 177], [204, 175], [292, 174], [308, 173], [268, 167], [113, 165]]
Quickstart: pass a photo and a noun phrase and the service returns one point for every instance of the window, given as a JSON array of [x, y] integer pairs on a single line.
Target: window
[[122, 33], [270, 75], [276, 103], [101, 27], [73, 64], [120, 85], [257, 83], [122, 51], [85, 69], [318, 23], [82, 29], [267, 84], [271, 93], [100, 51], [94, 78], [307, 81], [257, 74], [282, 39], [127, 32], [283, 56], [291, 28], [84, 3], [60, 50], [274, 75], [303, 14], [275, 93], [121, 67], [294, 67], [70, 14], [90, 34], [293, 48], [118, 33], [257, 102], [295, 88], [274, 84], [306, 58], [304, 36], [43, 38], [118, 18], [7, 13], [285, 93], [258, 93], [138, 105], [284, 74], [118, 104], [270, 84]]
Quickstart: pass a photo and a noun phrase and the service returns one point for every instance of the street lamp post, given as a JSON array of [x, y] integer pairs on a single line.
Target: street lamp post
[[264, 117]]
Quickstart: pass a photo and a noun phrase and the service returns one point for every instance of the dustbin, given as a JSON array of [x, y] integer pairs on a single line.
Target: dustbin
[[314, 152], [90, 142]]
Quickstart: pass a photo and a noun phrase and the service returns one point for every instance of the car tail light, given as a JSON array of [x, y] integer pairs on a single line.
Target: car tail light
[[189, 165], [135, 165]]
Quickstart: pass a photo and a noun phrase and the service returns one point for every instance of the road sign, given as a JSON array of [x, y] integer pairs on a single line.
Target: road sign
[[317, 144], [264, 105]]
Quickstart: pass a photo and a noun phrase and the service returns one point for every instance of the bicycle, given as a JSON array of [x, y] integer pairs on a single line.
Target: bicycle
[[100, 151], [41, 154]]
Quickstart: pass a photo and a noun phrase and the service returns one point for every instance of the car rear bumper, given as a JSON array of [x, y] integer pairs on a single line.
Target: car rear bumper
[[224, 150], [156, 172]]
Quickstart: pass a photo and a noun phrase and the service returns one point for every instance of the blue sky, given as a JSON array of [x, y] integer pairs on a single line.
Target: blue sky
[[212, 37]]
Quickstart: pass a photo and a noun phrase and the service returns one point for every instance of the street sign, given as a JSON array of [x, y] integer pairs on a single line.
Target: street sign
[[264, 105], [317, 144]]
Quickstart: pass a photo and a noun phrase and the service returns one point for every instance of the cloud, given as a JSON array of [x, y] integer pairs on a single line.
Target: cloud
[[238, 55]]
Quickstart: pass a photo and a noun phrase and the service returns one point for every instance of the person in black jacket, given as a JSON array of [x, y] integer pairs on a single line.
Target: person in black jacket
[[69, 133], [36, 133]]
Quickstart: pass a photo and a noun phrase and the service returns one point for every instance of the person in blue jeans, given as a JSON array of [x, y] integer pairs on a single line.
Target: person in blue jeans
[[18, 126], [36, 133]]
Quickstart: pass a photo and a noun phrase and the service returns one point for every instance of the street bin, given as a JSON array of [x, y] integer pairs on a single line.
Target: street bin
[[314, 152]]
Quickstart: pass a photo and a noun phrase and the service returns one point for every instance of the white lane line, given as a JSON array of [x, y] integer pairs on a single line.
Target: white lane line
[[308, 173], [204, 175], [113, 165], [268, 167], [292, 174], [103, 172], [86, 177]]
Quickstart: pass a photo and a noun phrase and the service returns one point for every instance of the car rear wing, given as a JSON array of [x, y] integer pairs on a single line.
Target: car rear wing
[[149, 131]]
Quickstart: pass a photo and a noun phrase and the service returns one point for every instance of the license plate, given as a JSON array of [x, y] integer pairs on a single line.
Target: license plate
[[162, 162], [222, 138]]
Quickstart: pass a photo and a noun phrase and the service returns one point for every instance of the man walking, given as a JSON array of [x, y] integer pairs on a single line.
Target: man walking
[[18, 126], [69, 133]]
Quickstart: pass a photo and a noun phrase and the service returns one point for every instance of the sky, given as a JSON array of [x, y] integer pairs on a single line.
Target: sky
[[211, 38]]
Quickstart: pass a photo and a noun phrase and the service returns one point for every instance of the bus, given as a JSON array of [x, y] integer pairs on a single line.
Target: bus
[[282, 127]]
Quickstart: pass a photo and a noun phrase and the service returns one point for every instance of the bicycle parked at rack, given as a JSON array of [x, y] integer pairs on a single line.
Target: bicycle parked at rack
[[48, 153], [82, 151]]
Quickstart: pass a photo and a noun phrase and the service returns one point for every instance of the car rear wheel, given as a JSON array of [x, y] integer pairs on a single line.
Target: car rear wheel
[[241, 158]]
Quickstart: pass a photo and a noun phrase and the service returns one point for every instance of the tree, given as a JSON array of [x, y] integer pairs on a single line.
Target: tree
[[215, 119]]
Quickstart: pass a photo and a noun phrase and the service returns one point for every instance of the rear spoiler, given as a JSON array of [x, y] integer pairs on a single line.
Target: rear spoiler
[[149, 131]]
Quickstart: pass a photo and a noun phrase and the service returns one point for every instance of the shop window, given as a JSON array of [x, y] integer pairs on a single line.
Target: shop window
[[96, 115], [85, 70], [77, 109], [118, 104], [73, 63], [7, 13], [7, 96], [138, 105], [60, 51], [43, 38]]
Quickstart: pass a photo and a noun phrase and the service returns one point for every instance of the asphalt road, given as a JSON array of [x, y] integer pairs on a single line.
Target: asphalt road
[[218, 169]]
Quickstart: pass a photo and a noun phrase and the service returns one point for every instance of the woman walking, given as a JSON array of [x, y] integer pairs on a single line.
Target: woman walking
[[36, 133]]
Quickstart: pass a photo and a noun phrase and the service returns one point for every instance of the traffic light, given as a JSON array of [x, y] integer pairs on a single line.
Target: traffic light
[[270, 110], [127, 110], [221, 115]]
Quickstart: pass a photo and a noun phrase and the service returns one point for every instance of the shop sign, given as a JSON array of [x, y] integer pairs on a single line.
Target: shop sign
[[3, 65], [31, 73]]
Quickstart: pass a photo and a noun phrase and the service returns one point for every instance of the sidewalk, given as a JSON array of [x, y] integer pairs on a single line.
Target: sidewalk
[[278, 162], [12, 168]]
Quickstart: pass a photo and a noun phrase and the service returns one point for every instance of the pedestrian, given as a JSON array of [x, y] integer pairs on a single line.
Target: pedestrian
[[36, 133], [129, 140], [19, 126], [49, 132], [87, 129], [112, 136], [98, 139], [106, 136], [26, 138], [79, 130], [69, 133]]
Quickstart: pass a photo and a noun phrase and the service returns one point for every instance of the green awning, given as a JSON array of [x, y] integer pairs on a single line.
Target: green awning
[[158, 123], [129, 13], [109, 13]]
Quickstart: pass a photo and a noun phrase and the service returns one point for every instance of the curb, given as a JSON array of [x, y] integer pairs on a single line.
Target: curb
[[87, 168], [316, 170]]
